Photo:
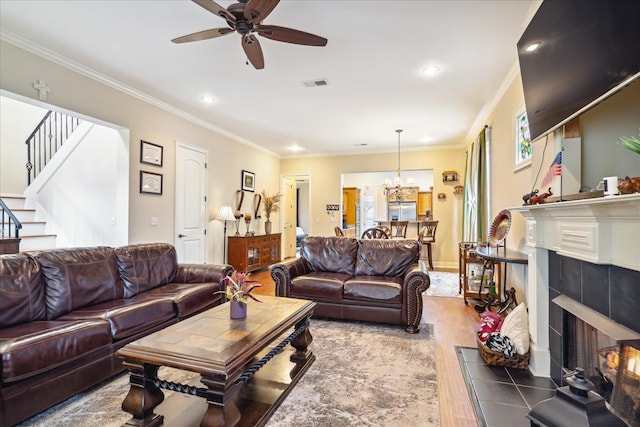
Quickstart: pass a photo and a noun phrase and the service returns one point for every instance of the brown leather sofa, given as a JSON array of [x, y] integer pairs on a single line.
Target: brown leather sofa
[[65, 312], [373, 280]]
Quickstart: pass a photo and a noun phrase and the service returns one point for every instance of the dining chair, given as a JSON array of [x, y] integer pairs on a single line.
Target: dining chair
[[399, 229], [426, 237], [374, 233], [384, 228], [338, 231]]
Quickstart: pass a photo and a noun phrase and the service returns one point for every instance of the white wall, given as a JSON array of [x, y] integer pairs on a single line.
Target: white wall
[[17, 121], [77, 91], [81, 198]]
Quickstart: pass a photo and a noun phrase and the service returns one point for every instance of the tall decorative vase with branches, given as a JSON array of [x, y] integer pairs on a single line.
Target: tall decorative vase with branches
[[270, 204]]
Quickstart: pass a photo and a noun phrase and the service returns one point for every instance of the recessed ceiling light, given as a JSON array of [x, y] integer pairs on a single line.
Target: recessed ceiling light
[[206, 99], [533, 46], [295, 148], [431, 70]]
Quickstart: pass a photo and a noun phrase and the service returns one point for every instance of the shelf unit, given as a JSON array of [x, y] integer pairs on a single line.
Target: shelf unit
[[253, 252], [471, 271]]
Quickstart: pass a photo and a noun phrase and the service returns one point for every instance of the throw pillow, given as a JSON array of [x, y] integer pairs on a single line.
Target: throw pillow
[[501, 343], [491, 322], [516, 327]]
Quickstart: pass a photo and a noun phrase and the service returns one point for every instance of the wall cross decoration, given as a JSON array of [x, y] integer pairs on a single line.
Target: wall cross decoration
[[42, 88]]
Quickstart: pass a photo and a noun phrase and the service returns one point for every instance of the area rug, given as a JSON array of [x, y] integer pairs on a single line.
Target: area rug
[[364, 375], [443, 284]]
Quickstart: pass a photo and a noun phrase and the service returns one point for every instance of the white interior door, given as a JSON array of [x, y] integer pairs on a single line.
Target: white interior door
[[191, 204], [288, 217]]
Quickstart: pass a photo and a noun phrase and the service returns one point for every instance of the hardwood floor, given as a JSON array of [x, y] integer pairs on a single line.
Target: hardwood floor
[[454, 324]]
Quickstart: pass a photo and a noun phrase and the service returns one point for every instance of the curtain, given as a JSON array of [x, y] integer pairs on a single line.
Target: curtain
[[476, 189]]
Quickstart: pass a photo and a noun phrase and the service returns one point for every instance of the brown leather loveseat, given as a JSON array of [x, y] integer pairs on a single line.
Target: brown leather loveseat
[[65, 312], [373, 280]]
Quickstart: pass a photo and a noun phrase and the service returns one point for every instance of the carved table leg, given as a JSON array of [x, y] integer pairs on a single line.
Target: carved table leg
[[302, 356], [143, 396], [222, 410]]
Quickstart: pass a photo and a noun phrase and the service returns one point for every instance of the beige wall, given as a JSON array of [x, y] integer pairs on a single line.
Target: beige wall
[[77, 93], [325, 189]]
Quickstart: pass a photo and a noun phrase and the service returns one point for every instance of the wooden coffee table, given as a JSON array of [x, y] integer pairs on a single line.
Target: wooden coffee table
[[247, 366]]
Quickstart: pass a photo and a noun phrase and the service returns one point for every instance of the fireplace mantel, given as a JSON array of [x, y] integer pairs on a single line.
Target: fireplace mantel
[[603, 230]]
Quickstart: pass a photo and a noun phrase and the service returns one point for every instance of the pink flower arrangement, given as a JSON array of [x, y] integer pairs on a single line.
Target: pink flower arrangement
[[239, 287]]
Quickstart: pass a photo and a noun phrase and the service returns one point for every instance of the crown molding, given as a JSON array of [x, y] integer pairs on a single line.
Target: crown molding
[[36, 49]]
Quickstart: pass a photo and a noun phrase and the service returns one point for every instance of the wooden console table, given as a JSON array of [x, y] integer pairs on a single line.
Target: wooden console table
[[253, 252]]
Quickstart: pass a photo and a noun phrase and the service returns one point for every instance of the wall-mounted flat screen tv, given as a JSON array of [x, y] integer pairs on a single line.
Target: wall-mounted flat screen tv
[[586, 49]]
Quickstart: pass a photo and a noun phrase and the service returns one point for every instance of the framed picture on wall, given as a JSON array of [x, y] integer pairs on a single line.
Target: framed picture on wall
[[248, 181], [150, 183], [150, 154], [522, 140]]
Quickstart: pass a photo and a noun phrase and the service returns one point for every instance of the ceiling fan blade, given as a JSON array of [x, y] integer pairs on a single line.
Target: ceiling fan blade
[[289, 35], [216, 9], [257, 10], [253, 51], [203, 35]]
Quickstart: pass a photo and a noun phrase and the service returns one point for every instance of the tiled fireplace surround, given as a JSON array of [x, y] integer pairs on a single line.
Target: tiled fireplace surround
[[589, 251], [611, 291]]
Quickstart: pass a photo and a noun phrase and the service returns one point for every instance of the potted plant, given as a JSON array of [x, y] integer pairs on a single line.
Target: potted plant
[[270, 204], [238, 291]]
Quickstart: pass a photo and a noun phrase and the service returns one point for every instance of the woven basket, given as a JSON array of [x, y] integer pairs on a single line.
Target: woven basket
[[497, 358]]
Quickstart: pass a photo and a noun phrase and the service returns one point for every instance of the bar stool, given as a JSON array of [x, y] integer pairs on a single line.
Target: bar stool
[[426, 237], [399, 229]]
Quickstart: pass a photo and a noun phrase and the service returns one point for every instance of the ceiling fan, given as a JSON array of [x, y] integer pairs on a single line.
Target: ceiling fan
[[246, 18]]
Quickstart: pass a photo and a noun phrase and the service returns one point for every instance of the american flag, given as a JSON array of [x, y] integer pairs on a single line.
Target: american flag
[[554, 170]]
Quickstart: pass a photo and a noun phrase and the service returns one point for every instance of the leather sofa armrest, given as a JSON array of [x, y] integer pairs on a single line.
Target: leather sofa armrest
[[284, 272], [416, 281], [201, 273]]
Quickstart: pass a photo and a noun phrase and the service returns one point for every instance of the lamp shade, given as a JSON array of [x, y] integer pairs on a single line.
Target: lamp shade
[[226, 214]]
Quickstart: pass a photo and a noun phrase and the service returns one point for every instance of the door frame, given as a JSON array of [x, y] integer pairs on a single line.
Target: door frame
[[299, 177]]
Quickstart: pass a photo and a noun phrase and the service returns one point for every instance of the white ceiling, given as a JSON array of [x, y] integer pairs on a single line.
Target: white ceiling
[[373, 61]]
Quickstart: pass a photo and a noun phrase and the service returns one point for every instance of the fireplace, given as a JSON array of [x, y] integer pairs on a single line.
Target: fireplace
[[593, 324], [590, 248]]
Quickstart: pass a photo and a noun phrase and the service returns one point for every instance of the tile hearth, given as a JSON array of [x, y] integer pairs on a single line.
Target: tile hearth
[[501, 396]]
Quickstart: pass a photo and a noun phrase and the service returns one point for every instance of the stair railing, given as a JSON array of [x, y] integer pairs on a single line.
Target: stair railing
[[46, 139], [6, 220]]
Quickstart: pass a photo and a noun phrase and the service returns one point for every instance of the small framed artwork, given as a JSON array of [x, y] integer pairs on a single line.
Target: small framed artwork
[[522, 140], [150, 154], [150, 183], [248, 181]]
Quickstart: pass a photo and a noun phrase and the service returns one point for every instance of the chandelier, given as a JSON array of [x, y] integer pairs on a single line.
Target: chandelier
[[394, 191]]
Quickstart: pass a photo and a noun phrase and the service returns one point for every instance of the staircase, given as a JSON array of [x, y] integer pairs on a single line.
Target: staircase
[[32, 234]]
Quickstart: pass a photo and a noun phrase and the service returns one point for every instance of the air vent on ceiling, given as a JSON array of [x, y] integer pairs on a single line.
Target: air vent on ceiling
[[316, 82]]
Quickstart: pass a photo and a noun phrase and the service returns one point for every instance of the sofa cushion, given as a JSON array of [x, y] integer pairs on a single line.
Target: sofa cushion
[[79, 277], [335, 254], [374, 288], [31, 348], [146, 266], [21, 290], [320, 284], [188, 298], [127, 317], [381, 257]]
